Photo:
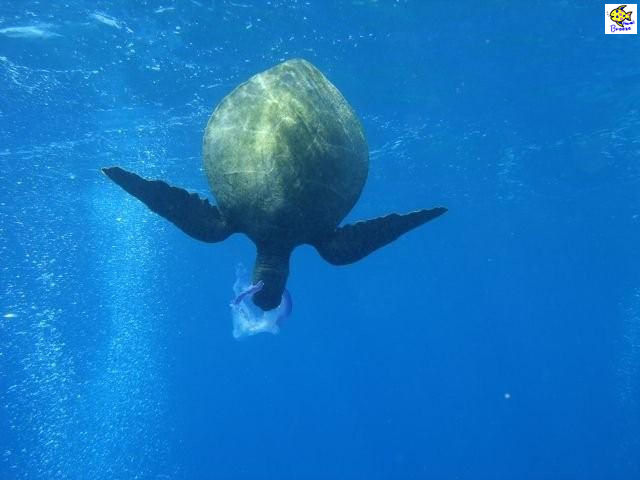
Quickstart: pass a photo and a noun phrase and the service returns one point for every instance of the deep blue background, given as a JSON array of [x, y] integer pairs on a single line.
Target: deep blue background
[[500, 341]]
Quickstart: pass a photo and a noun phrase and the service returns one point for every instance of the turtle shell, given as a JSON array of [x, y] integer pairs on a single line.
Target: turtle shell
[[285, 155]]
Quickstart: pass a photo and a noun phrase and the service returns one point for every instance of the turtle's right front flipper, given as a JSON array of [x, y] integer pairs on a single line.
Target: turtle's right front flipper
[[193, 215], [351, 243]]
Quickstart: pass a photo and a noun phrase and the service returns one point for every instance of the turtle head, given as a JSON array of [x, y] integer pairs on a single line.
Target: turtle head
[[270, 296], [272, 269]]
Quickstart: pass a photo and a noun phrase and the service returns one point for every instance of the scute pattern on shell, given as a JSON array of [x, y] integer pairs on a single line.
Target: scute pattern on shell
[[285, 155]]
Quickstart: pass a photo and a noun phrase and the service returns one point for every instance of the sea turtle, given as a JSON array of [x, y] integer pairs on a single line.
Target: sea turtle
[[286, 158]]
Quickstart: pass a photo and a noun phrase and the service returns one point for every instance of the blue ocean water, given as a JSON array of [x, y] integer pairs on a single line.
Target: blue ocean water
[[500, 341]]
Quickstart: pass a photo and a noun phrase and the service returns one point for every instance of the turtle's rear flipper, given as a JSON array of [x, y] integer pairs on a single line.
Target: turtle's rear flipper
[[193, 215], [353, 242]]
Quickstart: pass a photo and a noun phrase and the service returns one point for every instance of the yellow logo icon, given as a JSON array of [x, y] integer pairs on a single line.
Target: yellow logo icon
[[619, 15]]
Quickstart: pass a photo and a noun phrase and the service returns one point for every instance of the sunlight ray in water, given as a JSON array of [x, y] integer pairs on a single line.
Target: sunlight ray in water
[[128, 401], [38, 367]]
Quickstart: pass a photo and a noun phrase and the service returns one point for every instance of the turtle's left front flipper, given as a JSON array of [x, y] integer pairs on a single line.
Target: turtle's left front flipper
[[193, 215], [353, 242]]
